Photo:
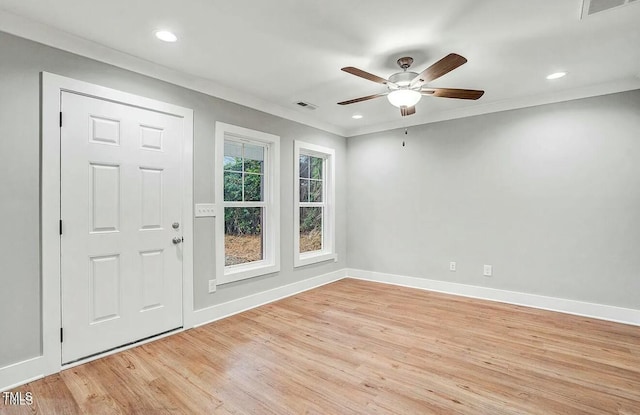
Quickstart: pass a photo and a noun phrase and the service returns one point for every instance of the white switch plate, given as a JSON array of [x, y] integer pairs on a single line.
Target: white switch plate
[[212, 286], [204, 210], [452, 266], [488, 270]]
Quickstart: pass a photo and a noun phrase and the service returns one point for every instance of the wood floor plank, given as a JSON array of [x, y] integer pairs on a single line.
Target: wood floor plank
[[356, 347]]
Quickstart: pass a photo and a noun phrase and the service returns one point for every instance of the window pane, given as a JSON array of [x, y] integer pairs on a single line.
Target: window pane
[[316, 168], [232, 187], [315, 191], [304, 166], [232, 156], [253, 187], [242, 235], [304, 190], [253, 166], [253, 158], [310, 229]]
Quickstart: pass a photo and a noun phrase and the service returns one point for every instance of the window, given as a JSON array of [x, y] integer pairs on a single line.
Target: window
[[247, 186], [314, 210]]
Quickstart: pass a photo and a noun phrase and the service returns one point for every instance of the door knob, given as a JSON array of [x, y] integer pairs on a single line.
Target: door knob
[[177, 239]]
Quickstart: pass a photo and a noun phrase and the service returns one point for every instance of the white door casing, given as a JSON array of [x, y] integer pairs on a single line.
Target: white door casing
[[120, 195], [53, 87]]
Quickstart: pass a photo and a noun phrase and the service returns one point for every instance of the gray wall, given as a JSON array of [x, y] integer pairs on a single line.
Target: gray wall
[[550, 196], [547, 195], [21, 61]]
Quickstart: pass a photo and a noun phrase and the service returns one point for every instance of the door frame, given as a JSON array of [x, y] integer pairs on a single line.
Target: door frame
[[51, 307]]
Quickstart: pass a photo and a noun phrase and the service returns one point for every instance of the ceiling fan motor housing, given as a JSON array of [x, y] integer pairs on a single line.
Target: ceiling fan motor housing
[[405, 62], [401, 80]]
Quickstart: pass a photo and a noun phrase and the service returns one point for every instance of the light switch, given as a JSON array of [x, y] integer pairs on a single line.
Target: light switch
[[204, 210]]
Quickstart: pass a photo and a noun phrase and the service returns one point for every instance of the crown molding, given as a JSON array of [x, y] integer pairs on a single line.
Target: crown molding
[[59, 39], [47, 35], [628, 84]]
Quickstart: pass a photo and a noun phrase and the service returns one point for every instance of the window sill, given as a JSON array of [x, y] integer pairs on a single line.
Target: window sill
[[242, 272], [313, 258]]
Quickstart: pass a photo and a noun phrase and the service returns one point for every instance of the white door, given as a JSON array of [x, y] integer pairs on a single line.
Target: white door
[[121, 268]]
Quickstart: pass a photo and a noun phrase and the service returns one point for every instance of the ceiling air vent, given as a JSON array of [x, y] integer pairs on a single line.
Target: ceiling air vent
[[590, 7], [306, 105]]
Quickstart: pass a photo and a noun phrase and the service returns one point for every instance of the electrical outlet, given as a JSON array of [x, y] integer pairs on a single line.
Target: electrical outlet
[[212, 285], [204, 210], [452, 266], [488, 270]]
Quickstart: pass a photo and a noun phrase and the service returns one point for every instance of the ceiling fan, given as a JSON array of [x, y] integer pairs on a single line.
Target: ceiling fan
[[406, 87]]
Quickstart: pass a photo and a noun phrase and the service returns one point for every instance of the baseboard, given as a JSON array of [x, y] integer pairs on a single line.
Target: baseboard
[[29, 370], [20, 373], [220, 311], [592, 310]]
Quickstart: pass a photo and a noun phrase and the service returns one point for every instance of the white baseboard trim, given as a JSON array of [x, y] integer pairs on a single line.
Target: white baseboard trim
[[580, 308], [32, 369], [20, 373], [220, 311]]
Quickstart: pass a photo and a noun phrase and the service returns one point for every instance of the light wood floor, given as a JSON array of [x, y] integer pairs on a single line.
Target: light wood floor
[[355, 347]]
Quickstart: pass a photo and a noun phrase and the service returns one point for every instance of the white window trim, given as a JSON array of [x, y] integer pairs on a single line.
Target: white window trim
[[271, 262], [328, 252]]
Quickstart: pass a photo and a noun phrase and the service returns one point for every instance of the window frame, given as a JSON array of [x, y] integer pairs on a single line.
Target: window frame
[[328, 251], [271, 204]]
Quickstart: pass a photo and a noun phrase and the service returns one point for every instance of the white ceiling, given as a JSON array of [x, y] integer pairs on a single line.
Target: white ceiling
[[270, 54]]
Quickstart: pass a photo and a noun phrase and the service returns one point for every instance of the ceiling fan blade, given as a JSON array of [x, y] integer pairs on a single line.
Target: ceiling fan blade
[[442, 67], [368, 97], [453, 93], [404, 111], [365, 75]]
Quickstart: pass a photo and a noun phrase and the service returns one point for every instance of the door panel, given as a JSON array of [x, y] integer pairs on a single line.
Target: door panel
[[151, 216], [104, 288], [152, 279], [104, 198], [120, 194]]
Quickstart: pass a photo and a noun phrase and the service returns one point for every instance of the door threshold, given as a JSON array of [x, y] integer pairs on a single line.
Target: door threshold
[[120, 348]]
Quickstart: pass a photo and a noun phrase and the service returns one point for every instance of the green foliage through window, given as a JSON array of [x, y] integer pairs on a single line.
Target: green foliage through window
[[243, 182], [242, 221], [311, 178], [311, 181]]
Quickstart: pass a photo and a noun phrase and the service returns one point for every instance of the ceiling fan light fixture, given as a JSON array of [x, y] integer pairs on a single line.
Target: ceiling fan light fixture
[[404, 97]]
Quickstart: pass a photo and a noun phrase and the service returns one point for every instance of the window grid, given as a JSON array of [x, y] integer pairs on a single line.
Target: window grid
[[243, 205], [254, 156], [314, 204], [312, 173], [244, 173]]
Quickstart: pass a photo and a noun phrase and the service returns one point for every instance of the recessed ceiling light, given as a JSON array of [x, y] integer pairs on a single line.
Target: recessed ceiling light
[[166, 36], [356, 116], [556, 75]]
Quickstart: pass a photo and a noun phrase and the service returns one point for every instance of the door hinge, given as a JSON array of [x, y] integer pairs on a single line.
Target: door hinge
[[60, 226], [61, 335], [60, 118]]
